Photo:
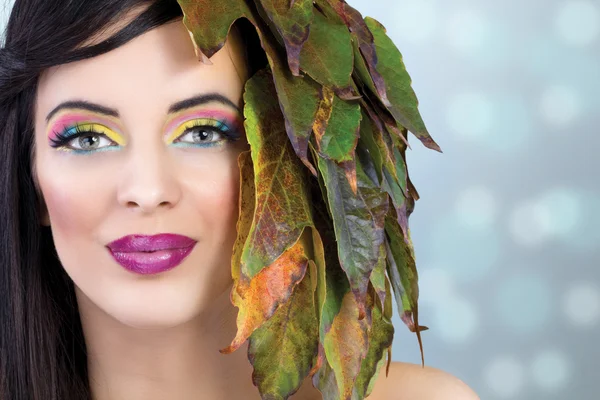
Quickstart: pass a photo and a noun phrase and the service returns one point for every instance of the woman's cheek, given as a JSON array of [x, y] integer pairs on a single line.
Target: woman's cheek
[[61, 203], [220, 195], [75, 201]]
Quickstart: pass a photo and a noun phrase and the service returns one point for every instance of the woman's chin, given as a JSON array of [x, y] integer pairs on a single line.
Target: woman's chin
[[144, 312], [149, 318]]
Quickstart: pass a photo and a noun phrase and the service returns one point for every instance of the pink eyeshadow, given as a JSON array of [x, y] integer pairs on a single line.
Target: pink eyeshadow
[[70, 120]]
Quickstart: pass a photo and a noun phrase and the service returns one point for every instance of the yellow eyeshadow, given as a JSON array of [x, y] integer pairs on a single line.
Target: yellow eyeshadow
[[193, 123], [104, 130]]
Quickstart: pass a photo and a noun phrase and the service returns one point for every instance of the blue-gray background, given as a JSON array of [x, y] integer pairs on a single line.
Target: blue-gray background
[[507, 230]]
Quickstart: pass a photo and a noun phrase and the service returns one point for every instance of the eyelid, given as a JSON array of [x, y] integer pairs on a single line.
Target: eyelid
[[195, 122], [98, 129]]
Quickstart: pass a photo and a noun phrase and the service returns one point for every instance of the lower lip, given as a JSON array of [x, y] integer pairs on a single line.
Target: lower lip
[[147, 263]]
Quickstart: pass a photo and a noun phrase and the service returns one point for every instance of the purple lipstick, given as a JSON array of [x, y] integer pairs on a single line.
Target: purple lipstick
[[145, 255]]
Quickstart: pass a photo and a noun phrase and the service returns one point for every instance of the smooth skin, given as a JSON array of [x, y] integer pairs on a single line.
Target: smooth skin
[[158, 337]]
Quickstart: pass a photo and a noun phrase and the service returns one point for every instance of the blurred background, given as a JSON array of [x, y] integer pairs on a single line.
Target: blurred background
[[507, 230]]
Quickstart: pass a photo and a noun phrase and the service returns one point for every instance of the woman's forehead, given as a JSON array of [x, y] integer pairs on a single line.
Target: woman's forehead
[[159, 66]]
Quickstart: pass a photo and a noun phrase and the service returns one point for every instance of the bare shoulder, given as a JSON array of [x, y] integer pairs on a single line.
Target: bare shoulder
[[411, 381]]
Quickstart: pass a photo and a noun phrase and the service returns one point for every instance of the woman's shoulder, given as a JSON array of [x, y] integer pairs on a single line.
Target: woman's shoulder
[[408, 381]]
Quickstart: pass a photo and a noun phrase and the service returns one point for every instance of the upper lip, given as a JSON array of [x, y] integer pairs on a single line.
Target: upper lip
[[146, 243]]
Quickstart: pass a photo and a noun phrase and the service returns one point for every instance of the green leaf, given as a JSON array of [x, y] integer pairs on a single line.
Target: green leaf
[[363, 42], [337, 127], [208, 23], [398, 133], [397, 166], [326, 296], [381, 335], [325, 381], [293, 24], [365, 56], [282, 195], [246, 203], [359, 223], [378, 277], [327, 55], [333, 376], [367, 141], [320, 267], [402, 267], [332, 281], [375, 376], [283, 348], [343, 337], [387, 318], [399, 202], [389, 163], [403, 100], [396, 181], [361, 70], [403, 275], [299, 99]]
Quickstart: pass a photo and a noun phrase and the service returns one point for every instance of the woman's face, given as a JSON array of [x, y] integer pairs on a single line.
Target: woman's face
[[148, 171]]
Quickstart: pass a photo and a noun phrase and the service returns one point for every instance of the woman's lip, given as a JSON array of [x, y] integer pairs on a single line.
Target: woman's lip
[[152, 262], [149, 243]]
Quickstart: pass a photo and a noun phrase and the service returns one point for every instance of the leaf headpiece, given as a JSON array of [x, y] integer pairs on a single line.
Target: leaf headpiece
[[323, 236]]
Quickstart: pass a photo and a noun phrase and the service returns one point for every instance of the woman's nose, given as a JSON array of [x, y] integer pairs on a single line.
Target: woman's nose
[[148, 182]]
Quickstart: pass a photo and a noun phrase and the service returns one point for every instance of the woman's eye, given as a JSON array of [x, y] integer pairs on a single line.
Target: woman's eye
[[90, 141], [201, 134]]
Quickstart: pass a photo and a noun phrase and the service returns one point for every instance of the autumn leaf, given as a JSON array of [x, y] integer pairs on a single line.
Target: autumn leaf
[[386, 318], [343, 337], [246, 205], [380, 337], [365, 54], [403, 100], [299, 96], [345, 345], [332, 376], [358, 222], [337, 127], [299, 99], [283, 348], [327, 55], [325, 381], [282, 196], [402, 268], [390, 166], [320, 257], [367, 141], [208, 23], [403, 275], [323, 113], [378, 276], [259, 298], [293, 24]]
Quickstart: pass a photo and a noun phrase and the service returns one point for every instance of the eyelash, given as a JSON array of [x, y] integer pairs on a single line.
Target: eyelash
[[62, 139]]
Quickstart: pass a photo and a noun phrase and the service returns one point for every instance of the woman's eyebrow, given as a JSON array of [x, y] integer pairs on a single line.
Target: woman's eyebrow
[[175, 107]]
